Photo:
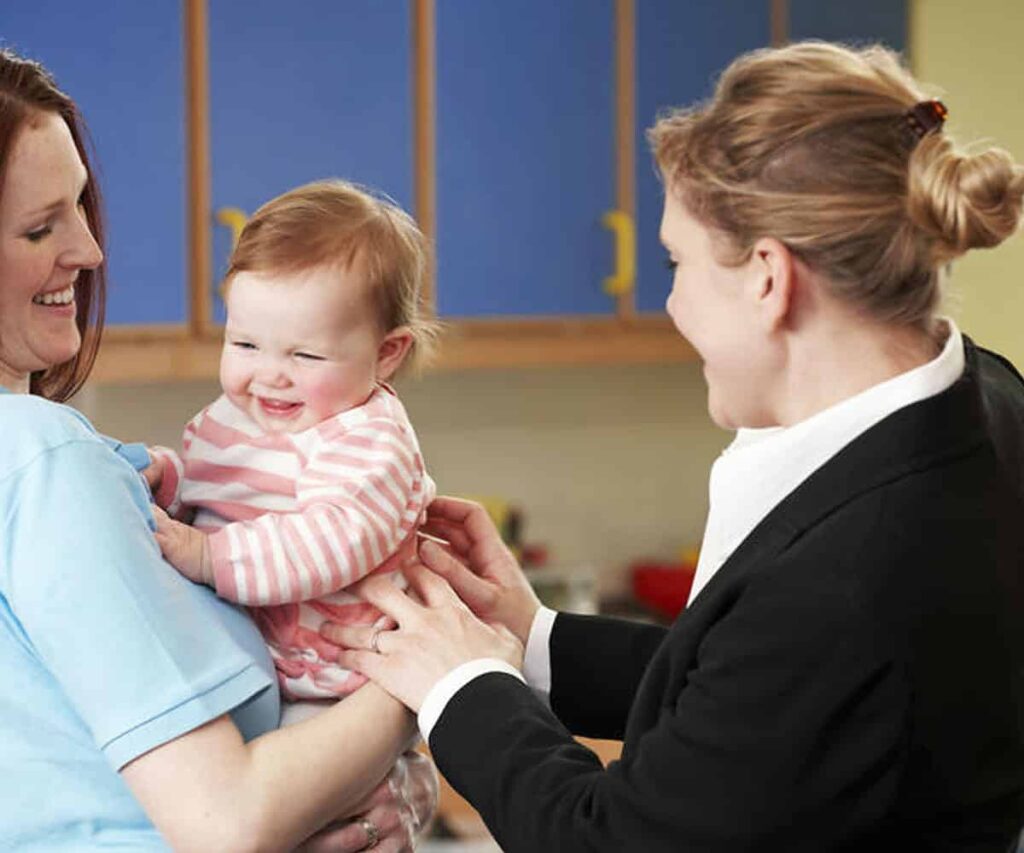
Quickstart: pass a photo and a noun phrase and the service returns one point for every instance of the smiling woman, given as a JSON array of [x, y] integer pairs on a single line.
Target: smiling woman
[[138, 711], [51, 304]]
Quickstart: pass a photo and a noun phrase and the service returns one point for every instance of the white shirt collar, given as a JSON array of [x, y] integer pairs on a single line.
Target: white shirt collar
[[762, 466]]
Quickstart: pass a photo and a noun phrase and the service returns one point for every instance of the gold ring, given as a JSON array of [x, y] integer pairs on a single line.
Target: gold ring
[[372, 833]]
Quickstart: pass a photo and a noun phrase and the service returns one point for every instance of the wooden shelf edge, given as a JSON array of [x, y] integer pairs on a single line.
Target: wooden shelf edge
[[169, 354]]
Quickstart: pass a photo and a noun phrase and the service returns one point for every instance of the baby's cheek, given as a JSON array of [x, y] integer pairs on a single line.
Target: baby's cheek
[[234, 377], [329, 394]]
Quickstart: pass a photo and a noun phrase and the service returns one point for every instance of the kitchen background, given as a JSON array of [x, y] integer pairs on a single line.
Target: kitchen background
[[510, 129]]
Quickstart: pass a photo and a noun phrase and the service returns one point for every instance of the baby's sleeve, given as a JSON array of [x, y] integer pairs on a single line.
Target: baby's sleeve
[[359, 499]]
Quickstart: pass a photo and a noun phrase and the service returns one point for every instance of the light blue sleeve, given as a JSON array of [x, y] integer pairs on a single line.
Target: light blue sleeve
[[134, 453], [142, 654]]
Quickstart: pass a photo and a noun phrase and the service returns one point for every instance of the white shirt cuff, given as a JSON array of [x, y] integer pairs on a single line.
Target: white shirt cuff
[[537, 658], [441, 693]]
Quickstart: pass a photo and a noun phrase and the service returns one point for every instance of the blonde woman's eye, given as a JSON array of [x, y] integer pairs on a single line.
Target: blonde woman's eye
[[244, 345], [670, 264], [308, 356]]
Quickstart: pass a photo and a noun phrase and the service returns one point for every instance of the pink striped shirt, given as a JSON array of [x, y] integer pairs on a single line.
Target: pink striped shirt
[[296, 518]]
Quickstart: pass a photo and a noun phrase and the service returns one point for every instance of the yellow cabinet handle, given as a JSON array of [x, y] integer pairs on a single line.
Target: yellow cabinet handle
[[233, 218], [624, 278]]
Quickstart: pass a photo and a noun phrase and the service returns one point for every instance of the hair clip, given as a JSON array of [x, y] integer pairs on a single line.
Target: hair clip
[[926, 116]]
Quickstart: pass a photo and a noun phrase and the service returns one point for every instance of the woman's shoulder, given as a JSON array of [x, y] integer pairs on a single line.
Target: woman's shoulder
[[33, 426]]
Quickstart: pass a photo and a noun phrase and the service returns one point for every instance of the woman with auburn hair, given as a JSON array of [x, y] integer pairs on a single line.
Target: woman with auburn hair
[[847, 674], [138, 711]]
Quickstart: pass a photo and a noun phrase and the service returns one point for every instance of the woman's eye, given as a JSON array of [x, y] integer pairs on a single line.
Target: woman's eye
[[243, 345], [308, 356], [38, 234], [670, 264]]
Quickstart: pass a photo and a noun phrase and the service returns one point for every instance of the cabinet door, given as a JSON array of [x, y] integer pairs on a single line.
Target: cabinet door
[[303, 91], [121, 61], [681, 47], [838, 20], [525, 158]]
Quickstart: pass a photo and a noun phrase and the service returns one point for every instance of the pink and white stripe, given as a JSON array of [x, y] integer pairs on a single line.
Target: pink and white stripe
[[294, 519]]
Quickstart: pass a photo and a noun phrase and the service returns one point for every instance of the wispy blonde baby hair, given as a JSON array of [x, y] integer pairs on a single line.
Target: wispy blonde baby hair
[[809, 144], [335, 223]]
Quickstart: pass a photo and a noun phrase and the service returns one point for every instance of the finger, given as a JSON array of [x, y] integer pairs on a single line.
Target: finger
[[350, 636], [467, 514], [389, 599], [457, 538], [368, 663], [433, 589], [472, 589]]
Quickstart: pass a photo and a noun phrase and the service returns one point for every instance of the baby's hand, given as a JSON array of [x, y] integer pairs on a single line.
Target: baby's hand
[[154, 474], [183, 547]]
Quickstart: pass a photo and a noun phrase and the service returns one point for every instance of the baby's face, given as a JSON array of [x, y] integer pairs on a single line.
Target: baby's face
[[299, 348]]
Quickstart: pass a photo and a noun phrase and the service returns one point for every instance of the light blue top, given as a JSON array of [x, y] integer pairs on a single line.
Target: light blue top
[[105, 651]]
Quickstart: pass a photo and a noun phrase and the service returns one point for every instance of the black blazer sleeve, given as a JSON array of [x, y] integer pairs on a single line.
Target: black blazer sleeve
[[596, 667], [775, 724]]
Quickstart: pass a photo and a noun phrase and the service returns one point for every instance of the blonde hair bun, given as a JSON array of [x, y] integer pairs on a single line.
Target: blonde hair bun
[[963, 201]]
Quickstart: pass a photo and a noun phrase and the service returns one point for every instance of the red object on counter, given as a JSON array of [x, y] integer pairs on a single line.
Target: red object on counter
[[664, 587]]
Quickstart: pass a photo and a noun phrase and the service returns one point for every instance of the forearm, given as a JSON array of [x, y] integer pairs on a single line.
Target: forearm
[[324, 767], [282, 558], [596, 667], [209, 790]]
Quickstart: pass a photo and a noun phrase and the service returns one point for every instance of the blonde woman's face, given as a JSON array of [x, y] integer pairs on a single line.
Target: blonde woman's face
[[45, 242], [710, 307]]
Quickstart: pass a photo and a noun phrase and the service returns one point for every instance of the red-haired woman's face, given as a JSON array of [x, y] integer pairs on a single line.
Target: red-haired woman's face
[[45, 241]]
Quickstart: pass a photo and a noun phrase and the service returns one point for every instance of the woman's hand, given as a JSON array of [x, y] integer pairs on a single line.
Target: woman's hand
[[435, 635], [183, 547], [395, 813], [486, 576]]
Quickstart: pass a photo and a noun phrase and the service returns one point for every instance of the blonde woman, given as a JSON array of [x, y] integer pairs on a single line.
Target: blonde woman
[[847, 675]]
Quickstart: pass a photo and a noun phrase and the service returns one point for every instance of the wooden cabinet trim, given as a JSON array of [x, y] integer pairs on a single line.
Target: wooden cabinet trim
[[171, 353]]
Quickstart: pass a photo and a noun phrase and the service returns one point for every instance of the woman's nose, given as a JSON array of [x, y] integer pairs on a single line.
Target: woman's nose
[[84, 252]]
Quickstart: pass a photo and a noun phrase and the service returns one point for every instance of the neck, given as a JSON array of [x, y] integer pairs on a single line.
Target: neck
[[840, 359], [13, 381]]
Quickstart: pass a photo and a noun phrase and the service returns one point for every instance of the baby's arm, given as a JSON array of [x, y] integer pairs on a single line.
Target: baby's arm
[[184, 547], [358, 501]]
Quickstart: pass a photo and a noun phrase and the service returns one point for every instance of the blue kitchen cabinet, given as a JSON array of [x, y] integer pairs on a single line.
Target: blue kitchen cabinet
[[304, 91], [525, 157], [863, 22], [122, 62], [681, 47]]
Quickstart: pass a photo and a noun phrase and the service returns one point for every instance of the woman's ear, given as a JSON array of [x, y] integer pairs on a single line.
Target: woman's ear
[[774, 281], [392, 352]]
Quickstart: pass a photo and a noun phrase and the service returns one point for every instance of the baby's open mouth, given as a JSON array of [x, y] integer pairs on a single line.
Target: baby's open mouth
[[278, 408]]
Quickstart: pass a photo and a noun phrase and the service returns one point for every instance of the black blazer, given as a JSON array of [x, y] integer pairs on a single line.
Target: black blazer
[[852, 678]]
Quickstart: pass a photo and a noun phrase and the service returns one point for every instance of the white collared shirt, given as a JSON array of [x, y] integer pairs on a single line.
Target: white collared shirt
[[751, 477]]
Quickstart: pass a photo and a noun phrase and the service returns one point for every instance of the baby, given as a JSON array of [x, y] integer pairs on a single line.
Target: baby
[[305, 475]]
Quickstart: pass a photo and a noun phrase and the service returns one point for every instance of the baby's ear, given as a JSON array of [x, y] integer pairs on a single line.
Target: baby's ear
[[392, 352]]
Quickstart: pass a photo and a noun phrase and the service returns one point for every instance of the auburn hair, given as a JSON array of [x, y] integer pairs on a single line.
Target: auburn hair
[[27, 90]]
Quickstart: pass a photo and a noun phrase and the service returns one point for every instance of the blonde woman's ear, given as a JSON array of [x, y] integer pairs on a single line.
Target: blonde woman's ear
[[392, 352], [774, 267]]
